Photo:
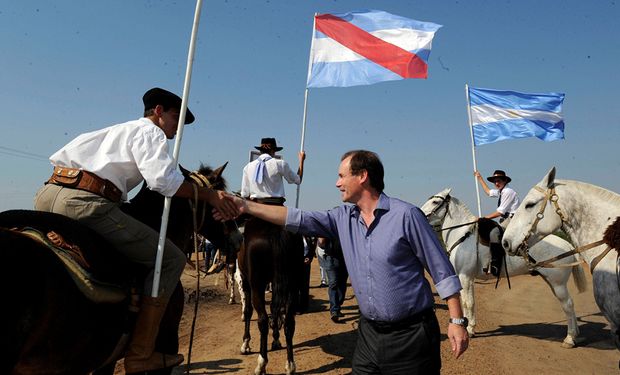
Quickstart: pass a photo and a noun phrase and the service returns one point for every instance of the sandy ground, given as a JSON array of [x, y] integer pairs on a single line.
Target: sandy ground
[[519, 332]]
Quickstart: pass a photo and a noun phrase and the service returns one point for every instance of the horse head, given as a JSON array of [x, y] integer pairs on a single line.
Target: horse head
[[186, 215], [225, 236], [436, 207], [538, 216]]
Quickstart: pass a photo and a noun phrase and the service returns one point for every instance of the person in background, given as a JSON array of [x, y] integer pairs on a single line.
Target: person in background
[[387, 245], [92, 176], [304, 285], [337, 276]]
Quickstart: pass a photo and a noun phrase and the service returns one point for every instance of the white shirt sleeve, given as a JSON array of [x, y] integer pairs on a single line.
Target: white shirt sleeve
[[150, 150], [288, 174]]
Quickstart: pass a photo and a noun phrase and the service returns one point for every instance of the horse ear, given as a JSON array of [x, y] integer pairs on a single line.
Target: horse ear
[[549, 179], [184, 171], [218, 172], [448, 191]]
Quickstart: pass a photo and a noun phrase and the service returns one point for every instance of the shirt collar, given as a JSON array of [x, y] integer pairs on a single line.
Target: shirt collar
[[382, 205], [264, 156]]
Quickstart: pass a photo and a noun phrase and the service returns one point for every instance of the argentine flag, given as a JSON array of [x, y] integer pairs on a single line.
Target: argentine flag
[[497, 115], [366, 47]]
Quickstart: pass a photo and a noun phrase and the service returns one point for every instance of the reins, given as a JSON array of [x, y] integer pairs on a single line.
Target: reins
[[201, 181], [457, 226], [193, 206]]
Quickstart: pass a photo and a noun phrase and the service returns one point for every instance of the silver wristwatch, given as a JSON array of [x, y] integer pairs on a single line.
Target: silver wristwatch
[[464, 322]]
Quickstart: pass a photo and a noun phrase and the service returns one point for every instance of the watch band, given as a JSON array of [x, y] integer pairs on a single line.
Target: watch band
[[464, 322]]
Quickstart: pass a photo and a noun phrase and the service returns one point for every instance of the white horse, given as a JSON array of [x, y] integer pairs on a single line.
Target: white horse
[[469, 257], [584, 212]]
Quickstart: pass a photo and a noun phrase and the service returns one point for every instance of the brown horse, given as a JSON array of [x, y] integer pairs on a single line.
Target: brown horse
[[50, 327], [270, 255]]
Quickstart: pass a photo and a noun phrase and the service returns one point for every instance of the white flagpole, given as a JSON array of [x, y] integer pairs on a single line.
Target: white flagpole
[[177, 148], [303, 126], [473, 148]]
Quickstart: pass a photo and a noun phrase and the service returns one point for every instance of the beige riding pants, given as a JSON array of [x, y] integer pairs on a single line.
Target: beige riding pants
[[135, 240]]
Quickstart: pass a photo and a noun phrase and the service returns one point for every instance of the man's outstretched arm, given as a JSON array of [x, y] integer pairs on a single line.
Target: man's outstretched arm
[[270, 213]]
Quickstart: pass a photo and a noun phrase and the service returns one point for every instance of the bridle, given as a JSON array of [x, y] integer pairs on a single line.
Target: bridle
[[444, 201], [550, 196], [200, 181]]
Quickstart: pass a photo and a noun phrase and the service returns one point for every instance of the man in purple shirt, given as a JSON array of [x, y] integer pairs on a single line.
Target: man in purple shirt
[[387, 244]]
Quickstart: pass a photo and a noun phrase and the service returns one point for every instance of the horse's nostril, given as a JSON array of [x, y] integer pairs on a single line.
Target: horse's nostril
[[506, 245]]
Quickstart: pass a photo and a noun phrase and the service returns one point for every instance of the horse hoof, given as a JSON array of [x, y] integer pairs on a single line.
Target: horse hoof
[[276, 345], [568, 345], [231, 301], [245, 348], [570, 342], [290, 368], [261, 368]]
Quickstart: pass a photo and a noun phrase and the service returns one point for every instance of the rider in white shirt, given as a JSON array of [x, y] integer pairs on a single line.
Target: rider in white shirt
[[108, 163], [262, 178], [507, 204]]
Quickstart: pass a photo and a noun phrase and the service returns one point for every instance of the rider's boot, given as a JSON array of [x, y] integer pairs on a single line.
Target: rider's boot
[[497, 256], [140, 355]]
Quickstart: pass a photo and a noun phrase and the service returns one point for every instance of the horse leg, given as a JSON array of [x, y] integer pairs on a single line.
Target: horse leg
[[560, 291], [243, 295], [289, 331], [276, 325], [246, 315], [468, 302], [258, 301], [230, 271]]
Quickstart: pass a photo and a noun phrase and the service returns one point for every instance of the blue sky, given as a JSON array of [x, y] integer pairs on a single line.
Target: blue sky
[[68, 67]]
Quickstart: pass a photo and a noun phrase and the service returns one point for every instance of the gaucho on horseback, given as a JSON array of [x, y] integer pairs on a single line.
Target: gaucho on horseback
[[507, 204], [270, 254], [92, 176]]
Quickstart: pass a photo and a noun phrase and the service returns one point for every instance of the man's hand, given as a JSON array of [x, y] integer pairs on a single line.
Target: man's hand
[[224, 204], [459, 339], [238, 204]]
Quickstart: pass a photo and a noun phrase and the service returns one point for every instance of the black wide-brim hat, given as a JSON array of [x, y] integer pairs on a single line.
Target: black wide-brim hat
[[268, 144], [156, 96], [499, 175]]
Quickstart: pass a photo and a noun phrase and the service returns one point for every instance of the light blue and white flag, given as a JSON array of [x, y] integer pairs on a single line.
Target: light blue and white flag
[[497, 115]]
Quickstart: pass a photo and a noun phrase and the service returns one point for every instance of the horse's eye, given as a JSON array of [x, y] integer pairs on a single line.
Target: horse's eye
[[530, 205]]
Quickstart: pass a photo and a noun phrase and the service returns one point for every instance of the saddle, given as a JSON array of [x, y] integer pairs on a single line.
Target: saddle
[[101, 273], [485, 226]]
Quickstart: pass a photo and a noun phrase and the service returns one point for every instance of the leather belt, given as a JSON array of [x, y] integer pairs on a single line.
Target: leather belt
[[403, 323], [83, 180]]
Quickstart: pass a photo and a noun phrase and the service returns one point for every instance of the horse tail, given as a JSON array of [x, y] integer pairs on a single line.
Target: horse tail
[[579, 277], [285, 286]]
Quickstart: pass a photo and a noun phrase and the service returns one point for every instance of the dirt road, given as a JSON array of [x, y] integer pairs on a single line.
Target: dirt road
[[519, 332]]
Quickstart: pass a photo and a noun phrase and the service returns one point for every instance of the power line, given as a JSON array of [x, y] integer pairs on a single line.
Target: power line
[[21, 154]]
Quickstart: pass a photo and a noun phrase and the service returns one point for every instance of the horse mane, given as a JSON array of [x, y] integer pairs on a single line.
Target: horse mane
[[460, 206], [207, 171], [590, 189]]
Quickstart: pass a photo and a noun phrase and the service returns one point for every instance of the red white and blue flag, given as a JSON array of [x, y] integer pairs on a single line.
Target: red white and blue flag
[[366, 47]]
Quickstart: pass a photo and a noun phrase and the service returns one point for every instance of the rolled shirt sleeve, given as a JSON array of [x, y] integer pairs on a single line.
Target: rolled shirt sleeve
[[150, 150]]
